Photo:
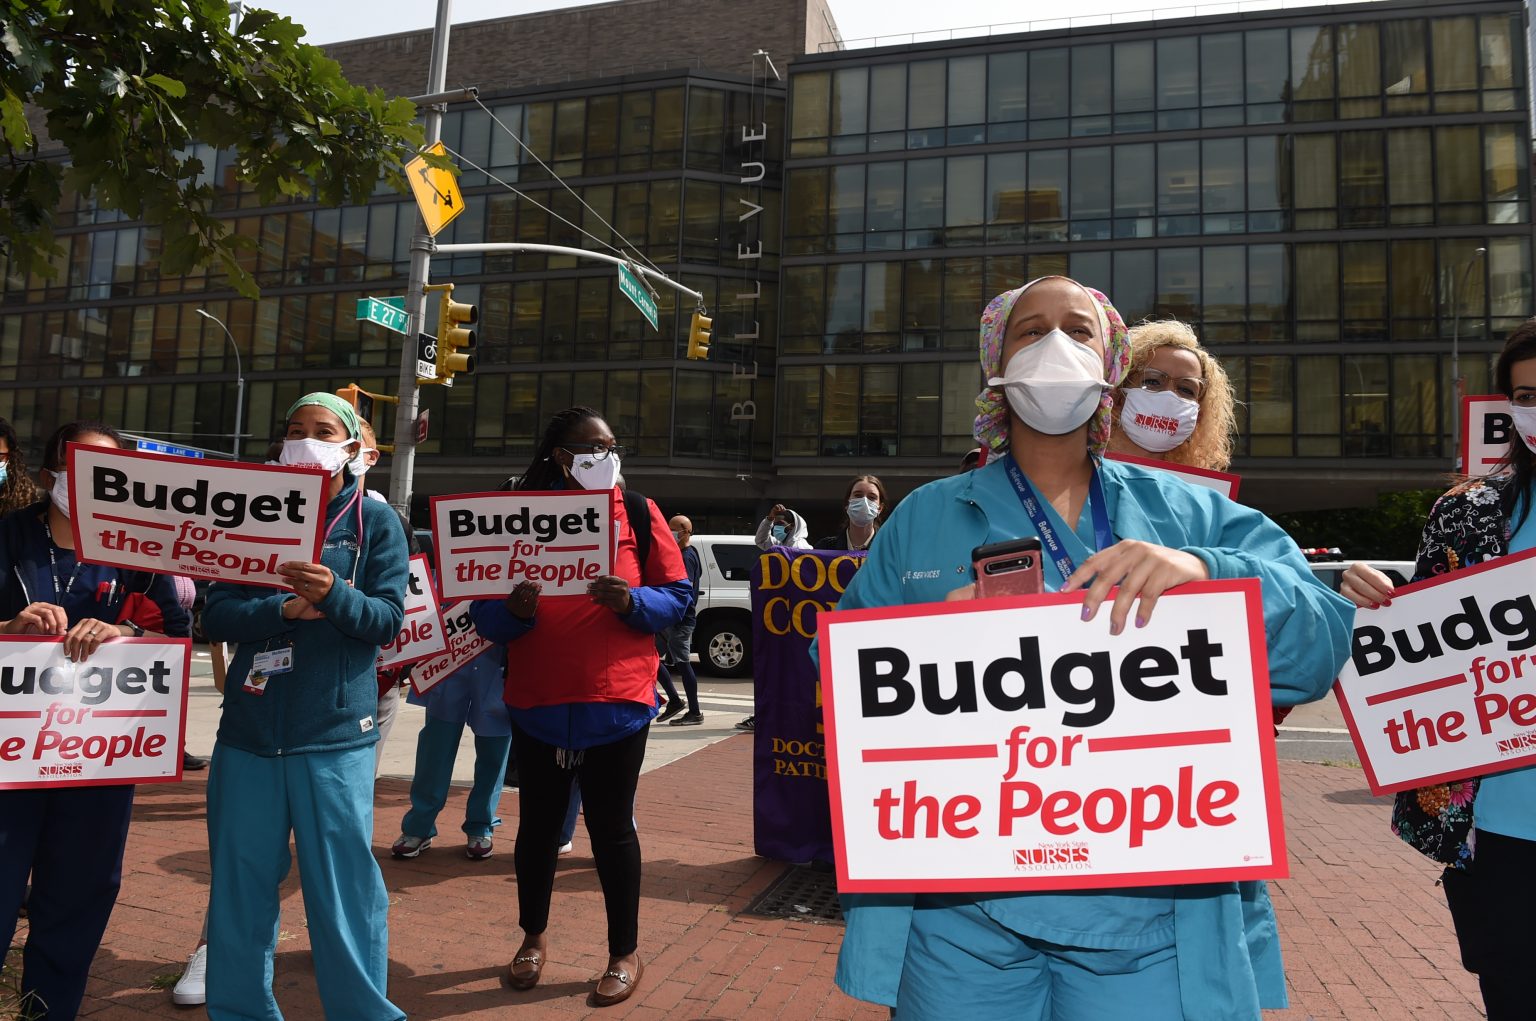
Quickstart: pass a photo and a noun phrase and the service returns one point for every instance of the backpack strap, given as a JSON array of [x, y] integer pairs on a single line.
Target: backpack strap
[[638, 509]]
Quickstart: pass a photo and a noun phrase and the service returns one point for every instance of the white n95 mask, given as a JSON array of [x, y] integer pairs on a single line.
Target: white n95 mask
[[591, 473], [308, 453], [1055, 384]]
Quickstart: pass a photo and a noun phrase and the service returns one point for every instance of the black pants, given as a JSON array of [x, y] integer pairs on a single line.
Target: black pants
[[608, 775], [71, 842], [1492, 905]]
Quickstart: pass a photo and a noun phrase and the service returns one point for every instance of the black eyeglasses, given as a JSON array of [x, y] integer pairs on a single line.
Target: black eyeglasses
[[599, 451]]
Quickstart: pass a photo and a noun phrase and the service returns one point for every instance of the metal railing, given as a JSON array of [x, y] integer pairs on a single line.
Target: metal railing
[[1075, 21]]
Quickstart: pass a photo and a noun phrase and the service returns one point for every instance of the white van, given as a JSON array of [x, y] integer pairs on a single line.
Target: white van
[[723, 637]]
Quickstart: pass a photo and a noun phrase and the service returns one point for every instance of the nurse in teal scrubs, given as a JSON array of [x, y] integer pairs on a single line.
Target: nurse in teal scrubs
[[1052, 350]]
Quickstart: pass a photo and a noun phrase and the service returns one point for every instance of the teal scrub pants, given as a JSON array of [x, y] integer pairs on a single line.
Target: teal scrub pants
[[961, 963], [325, 800], [436, 748]]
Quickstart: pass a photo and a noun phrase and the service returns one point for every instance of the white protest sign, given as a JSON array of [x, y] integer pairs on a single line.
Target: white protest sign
[[1224, 483], [117, 718], [1005, 744], [464, 644], [1441, 685], [421, 632], [1487, 429], [203, 519], [488, 543]]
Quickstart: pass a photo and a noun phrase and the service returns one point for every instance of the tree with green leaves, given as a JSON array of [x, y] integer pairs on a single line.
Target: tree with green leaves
[[111, 97]]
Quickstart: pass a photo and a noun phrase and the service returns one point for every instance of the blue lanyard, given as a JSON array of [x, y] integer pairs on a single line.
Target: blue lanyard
[[1103, 538]]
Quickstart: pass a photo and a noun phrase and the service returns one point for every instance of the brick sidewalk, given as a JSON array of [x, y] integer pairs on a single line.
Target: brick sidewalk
[[1366, 933]]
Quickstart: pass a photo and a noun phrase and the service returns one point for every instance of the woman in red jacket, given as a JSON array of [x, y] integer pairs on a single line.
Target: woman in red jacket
[[581, 687]]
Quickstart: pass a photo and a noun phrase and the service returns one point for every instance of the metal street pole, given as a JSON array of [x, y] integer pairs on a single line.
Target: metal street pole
[[239, 380], [403, 466], [1456, 356]]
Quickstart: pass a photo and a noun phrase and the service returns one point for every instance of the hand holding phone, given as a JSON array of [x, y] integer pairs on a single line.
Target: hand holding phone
[[1009, 568]]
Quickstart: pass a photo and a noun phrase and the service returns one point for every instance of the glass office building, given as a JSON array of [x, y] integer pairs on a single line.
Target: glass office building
[[1309, 188]]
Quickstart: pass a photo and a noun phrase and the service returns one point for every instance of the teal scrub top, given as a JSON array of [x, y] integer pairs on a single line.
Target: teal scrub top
[[1223, 933]]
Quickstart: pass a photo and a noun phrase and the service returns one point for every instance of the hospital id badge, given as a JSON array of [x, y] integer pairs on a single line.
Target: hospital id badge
[[272, 661]]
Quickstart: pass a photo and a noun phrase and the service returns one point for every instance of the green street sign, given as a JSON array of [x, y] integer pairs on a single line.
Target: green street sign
[[635, 291], [387, 312]]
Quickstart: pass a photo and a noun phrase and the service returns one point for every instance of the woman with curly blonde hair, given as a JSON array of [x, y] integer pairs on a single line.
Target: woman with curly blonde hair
[[1176, 402]]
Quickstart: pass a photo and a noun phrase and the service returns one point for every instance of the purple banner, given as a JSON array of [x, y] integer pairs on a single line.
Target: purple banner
[[791, 811]]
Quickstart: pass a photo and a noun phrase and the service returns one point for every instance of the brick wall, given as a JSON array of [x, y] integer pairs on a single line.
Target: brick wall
[[592, 42]]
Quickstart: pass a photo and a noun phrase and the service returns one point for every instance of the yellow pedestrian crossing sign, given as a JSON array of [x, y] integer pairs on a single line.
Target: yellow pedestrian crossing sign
[[436, 190]]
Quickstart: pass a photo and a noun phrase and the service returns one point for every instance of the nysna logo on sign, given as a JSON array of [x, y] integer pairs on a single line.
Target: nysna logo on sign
[[1441, 685], [203, 519], [488, 543], [1004, 744]]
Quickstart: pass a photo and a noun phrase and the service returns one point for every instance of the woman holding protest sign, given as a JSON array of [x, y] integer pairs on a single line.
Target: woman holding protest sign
[[1052, 352], [581, 673], [294, 754], [1175, 404], [70, 839], [1483, 830]]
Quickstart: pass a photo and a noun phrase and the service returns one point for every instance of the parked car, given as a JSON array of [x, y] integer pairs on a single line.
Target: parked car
[[1328, 565], [723, 637]]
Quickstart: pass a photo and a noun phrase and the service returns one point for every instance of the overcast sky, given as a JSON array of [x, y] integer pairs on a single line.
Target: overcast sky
[[335, 20]]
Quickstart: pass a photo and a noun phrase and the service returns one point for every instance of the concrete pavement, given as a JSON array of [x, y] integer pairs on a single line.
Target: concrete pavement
[[1365, 931]]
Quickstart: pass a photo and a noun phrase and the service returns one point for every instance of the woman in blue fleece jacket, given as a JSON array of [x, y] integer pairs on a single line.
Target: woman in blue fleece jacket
[[295, 748], [1200, 952]]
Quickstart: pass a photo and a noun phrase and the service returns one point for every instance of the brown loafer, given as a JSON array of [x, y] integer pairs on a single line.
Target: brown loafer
[[624, 981], [521, 980]]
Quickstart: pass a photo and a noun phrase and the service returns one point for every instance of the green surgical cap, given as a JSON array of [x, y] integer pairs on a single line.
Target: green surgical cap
[[336, 406]]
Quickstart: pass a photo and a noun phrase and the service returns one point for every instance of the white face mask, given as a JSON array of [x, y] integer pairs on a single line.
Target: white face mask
[[590, 473], [60, 492], [862, 510], [1525, 425], [1055, 384], [1159, 421], [308, 453], [359, 465]]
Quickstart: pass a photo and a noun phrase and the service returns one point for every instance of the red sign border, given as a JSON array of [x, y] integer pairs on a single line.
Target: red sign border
[[1464, 455], [1502, 766], [437, 600], [117, 781], [437, 541], [489, 645], [1172, 468], [198, 462], [1279, 865]]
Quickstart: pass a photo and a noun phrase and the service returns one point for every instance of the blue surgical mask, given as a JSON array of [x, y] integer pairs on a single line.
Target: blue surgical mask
[[779, 532], [5, 471]]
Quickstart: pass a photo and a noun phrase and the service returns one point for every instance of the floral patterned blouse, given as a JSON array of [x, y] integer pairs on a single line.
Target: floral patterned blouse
[[1467, 526]]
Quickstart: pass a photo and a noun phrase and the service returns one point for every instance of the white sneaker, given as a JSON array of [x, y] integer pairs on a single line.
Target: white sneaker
[[567, 847], [192, 988]]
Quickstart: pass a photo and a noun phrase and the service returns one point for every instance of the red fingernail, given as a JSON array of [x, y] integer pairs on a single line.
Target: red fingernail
[[1387, 603]]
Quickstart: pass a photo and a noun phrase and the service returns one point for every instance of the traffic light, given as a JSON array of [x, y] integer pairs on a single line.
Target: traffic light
[[366, 404], [698, 337], [454, 341]]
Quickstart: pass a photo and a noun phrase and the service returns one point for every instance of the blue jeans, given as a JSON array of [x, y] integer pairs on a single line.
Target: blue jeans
[[436, 748]]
